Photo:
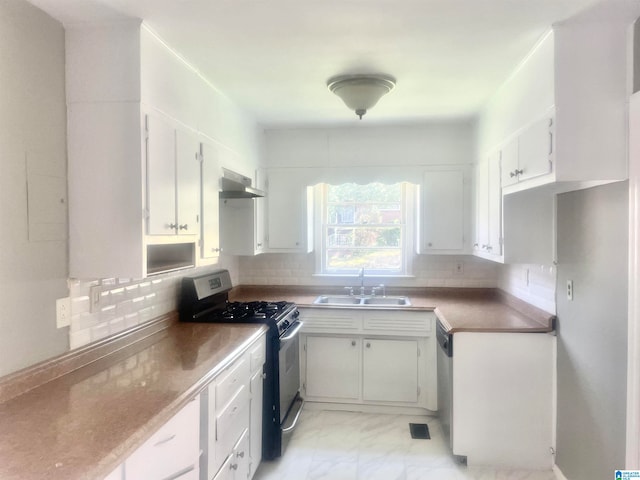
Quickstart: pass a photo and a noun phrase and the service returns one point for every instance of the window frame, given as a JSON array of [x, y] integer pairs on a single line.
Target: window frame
[[409, 213]]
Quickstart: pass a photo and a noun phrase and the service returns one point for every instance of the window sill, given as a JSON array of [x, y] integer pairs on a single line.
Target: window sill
[[355, 275]]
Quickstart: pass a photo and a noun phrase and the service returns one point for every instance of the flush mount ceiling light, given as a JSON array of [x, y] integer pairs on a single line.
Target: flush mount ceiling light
[[361, 92]]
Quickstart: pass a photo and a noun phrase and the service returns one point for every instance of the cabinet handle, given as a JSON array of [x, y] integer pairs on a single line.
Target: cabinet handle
[[233, 466], [240, 454], [260, 245], [216, 249], [513, 174], [164, 440], [353, 343], [519, 172], [368, 345], [429, 244], [184, 227], [173, 226]]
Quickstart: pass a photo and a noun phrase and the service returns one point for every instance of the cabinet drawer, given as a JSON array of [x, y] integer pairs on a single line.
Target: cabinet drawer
[[231, 381], [172, 452], [257, 356], [231, 422]]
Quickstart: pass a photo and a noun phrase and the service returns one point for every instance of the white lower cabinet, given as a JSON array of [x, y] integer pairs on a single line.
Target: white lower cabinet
[[172, 452], [234, 437], [390, 370], [369, 357], [333, 367]]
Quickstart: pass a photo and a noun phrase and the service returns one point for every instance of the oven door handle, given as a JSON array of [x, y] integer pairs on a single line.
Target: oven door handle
[[293, 331]]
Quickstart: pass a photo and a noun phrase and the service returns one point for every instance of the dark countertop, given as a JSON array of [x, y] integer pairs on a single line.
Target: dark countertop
[[459, 309], [83, 424]]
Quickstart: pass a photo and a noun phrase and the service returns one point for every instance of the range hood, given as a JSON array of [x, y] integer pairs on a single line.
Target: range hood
[[235, 185]]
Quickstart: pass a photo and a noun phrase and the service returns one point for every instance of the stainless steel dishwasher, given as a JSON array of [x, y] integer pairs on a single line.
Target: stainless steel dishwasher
[[445, 380]]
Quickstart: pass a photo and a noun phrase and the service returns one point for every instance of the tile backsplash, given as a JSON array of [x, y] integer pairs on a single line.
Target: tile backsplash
[[535, 284], [101, 308], [428, 271]]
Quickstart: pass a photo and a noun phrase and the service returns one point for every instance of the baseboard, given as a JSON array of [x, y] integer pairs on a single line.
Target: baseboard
[[355, 407], [558, 473]]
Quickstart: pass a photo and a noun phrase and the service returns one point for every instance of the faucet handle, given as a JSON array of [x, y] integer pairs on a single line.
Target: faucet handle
[[350, 290], [376, 289]]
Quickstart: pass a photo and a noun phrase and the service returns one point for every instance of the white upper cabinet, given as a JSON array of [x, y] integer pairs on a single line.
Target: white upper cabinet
[[210, 235], [563, 110], [143, 194], [242, 231], [488, 241], [442, 218], [290, 212]]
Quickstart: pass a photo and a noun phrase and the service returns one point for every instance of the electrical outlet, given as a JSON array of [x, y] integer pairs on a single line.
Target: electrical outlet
[[94, 298], [63, 312], [459, 268], [569, 289]]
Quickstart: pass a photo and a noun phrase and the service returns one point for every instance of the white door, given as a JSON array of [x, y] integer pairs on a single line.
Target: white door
[[333, 367], [482, 205], [390, 370], [286, 200], [255, 422], [210, 239], [443, 210], [535, 146], [161, 177], [188, 182], [509, 156], [494, 205]]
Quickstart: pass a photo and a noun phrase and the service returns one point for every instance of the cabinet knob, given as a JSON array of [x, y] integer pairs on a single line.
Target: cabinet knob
[[184, 227], [260, 245], [519, 172], [429, 244], [353, 343], [173, 226], [368, 345], [513, 174], [233, 466], [216, 250]]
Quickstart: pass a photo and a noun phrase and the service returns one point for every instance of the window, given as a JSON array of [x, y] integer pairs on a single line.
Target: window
[[364, 226]]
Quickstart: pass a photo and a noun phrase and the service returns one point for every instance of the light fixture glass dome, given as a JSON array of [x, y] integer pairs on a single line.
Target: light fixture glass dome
[[361, 92]]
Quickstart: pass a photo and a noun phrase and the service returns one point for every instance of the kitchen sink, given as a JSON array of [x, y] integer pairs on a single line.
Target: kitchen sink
[[364, 301]]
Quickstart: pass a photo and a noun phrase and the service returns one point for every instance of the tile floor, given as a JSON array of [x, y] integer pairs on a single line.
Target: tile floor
[[335, 445]]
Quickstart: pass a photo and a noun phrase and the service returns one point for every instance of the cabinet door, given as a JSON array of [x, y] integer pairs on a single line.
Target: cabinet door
[[188, 182], [535, 146], [388, 380], [288, 205], [210, 239], [241, 458], [509, 158], [333, 367], [482, 205], [161, 176], [443, 210], [255, 422], [494, 205], [237, 226]]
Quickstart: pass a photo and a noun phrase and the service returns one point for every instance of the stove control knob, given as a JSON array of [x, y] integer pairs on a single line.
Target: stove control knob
[[286, 324]]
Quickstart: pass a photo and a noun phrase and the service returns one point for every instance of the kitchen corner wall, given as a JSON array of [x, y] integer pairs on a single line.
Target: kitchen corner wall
[[428, 271], [535, 284], [33, 186]]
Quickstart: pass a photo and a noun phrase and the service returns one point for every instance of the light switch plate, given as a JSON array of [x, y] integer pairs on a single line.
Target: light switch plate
[[63, 312]]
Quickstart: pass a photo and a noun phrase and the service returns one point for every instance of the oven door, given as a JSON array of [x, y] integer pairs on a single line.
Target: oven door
[[289, 368]]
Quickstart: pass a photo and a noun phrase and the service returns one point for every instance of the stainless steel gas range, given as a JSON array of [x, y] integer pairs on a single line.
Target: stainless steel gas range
[[205, 298]]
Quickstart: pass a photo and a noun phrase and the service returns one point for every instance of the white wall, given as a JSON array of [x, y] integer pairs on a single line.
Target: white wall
[[33, 212]]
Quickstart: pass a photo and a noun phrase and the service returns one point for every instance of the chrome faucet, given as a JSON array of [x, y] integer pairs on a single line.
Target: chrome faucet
[[361, 275]]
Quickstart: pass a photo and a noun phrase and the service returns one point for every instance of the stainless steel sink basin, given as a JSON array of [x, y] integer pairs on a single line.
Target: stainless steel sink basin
[[394, 301], [337, 300], [366, 301]]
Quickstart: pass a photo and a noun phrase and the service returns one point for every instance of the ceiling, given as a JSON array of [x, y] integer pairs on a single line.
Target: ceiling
[[273, 57]]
